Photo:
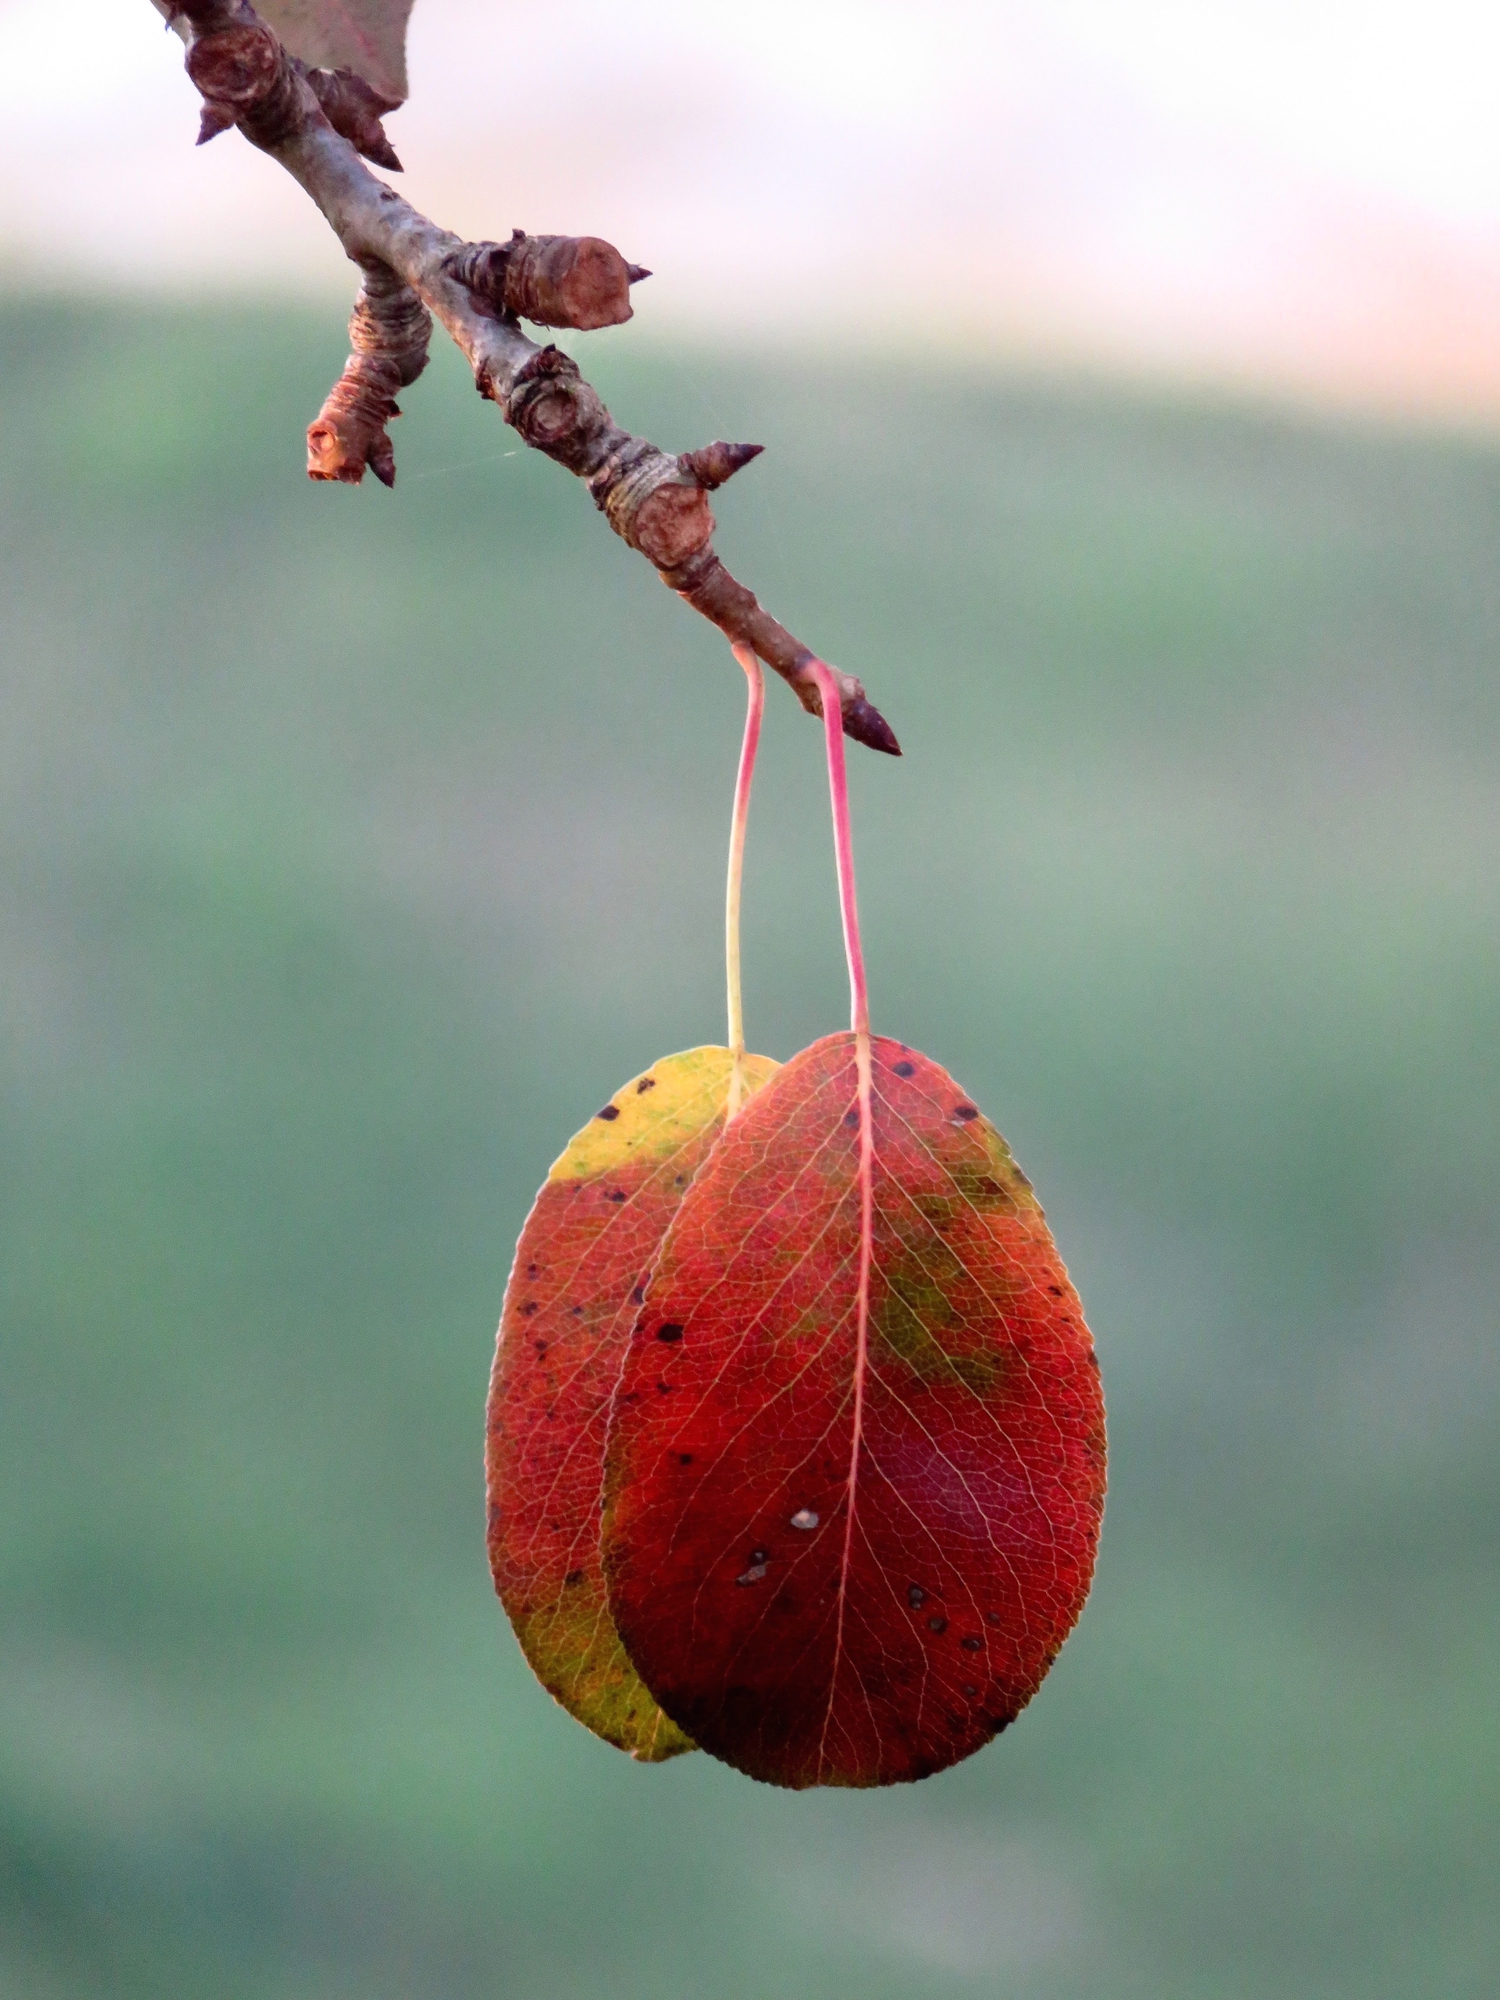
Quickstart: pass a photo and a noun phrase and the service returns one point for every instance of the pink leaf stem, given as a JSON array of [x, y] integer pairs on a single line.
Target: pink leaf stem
[[859, 1004]]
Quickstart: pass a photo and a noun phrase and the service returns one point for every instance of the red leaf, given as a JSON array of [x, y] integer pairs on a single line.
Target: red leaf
[[842, 1547], [575, 1288]]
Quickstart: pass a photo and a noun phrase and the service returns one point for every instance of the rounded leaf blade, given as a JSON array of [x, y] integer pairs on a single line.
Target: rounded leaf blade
[[842, 1553]]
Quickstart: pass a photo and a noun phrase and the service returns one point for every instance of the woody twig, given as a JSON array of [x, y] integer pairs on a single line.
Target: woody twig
[[317, 124]]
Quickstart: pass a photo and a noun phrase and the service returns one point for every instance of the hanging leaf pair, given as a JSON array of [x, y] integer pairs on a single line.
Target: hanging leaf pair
[[796, 1437]]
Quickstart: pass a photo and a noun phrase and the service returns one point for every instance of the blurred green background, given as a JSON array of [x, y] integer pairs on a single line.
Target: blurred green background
[[358, 845]]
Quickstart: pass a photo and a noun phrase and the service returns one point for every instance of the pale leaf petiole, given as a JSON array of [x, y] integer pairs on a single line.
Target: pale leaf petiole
[[755, 675]]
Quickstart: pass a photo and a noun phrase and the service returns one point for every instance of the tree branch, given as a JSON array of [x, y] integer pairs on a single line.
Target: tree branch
[[656, 501]]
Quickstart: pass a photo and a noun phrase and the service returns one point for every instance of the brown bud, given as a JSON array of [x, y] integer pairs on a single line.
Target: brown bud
[[861, 719], [552, 406], [867, 725], [235, 66], [576, 281], [214, 119], [651, 506], [348, 433], [672, 524], [244, 73], [354, 110], [712, 464]]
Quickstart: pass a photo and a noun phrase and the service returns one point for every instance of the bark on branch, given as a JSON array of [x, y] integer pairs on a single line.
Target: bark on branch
[[316, 124]]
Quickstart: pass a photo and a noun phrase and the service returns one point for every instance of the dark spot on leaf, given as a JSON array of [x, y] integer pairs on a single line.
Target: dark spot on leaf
[[609, 1113], [973, 1644], [754, 1574], [540, 1346], [529, 1308], [758, 1555], [663, 1388], [1093, 1358], [1055, 1290], [646, 1083], [916, 1596], [533, 1270], [680, 1180], [578, 1312], [684, 1458], [992, 1618], [970, 1690], [965, 1112], [574, 1576], [937, 1622], [669, 1333], [904, 1068], [638, 1296], [617, 1195]]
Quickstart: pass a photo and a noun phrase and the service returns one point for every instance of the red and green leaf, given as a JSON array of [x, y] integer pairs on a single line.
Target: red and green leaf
[[583, 1261], [856, 1466]]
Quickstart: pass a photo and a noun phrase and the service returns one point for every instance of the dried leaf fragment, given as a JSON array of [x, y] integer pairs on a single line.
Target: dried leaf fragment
[[354, 109], [367, 36]]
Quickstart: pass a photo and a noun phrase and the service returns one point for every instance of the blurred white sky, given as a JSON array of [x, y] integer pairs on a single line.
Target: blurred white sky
[[1304, 193]]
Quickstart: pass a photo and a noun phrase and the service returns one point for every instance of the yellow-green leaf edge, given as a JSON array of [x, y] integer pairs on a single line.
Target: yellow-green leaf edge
[[588, 1672]]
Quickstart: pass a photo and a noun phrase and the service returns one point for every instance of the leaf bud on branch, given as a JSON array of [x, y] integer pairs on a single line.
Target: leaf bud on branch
[[354, 110], [580, 282]]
